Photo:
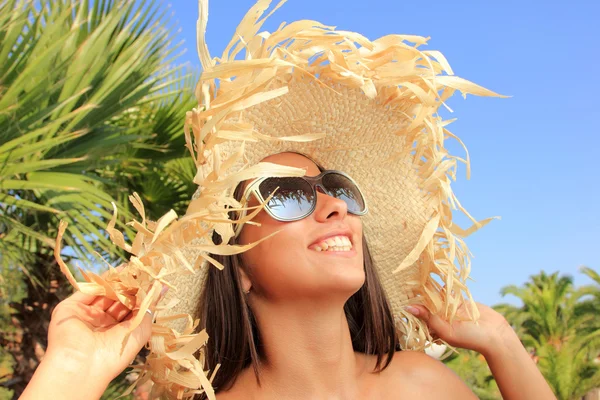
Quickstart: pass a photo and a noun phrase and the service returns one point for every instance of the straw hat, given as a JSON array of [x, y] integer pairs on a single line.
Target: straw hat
[[369, 108]]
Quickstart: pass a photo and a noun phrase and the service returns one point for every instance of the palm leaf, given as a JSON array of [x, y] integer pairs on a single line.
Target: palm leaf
[[69, 73], [561, 328]]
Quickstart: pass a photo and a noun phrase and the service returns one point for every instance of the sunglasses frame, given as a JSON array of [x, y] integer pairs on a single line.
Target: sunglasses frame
[[314, 181]]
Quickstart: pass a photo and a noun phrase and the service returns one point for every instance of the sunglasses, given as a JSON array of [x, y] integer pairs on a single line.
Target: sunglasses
[[295, 198]]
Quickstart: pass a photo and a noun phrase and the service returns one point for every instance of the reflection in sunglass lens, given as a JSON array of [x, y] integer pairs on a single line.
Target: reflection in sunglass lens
[[293, 199], [343, 188]]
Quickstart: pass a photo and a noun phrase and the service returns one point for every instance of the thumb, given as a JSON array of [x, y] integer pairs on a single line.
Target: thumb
[[140, 334], [136, 330], [143, 331], [131, 338], [127, 341]]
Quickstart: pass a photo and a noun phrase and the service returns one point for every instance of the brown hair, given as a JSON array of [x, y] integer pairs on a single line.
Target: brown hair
[[234, 339]]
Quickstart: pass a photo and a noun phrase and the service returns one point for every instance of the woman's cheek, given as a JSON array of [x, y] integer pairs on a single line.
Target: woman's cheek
[[277, 263]]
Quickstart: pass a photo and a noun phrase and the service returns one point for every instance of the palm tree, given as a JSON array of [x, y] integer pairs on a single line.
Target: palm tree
[[69, 72], [161, 171], [590, 295], [548, 312], [559, 329], [591, 305], [87, 98], [472, 368]]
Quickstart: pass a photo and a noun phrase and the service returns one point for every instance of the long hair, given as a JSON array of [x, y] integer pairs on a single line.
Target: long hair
[[234, 340]]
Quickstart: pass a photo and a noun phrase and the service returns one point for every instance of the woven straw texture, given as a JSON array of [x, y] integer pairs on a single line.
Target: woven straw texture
[[359, 139]]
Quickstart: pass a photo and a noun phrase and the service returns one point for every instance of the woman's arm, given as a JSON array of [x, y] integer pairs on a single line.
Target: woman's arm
[[61, 376], [513, 369], [85, 348]]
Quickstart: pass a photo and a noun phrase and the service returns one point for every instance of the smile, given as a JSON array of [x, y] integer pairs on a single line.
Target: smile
[[338, 243]]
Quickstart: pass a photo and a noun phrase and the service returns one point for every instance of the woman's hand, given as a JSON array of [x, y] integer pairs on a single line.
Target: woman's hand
[[90, 330], [515, 373], [87, 347], [482, 337]]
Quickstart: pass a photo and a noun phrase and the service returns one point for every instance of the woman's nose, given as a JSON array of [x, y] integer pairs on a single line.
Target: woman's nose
[[329, 207]]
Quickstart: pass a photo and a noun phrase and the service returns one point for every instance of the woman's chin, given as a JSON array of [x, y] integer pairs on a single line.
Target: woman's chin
[[344, 279]]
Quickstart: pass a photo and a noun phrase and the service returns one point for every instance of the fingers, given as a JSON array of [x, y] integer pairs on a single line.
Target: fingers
[[118, 311], [103, 303], [113, 308], [100, 309], [419, 311], [439, 329], [91, 316], [98, 318]]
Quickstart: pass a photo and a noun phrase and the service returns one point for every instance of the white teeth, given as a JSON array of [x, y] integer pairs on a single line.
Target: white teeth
[[337, 243], [339, 248]]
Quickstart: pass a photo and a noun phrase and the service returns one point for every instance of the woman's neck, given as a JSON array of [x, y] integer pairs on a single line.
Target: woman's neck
[[307, 350]]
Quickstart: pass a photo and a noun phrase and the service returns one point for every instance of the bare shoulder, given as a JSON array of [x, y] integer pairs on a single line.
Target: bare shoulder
[[418, 375]]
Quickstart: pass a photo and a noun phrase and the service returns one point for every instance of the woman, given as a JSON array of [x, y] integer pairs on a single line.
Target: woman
[[291, 282], [85, 331], [289, 318]]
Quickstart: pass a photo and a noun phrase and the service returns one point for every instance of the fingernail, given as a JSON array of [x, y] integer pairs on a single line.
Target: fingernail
[[164, 290], [413, 310]]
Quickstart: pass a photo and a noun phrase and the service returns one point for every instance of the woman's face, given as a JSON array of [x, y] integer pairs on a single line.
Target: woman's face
[[287, 265]]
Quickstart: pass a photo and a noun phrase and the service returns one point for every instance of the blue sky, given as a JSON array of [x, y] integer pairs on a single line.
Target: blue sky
[[534, 156]]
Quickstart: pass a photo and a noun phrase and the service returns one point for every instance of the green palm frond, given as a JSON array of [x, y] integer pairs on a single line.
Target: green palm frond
[[472, 368], [69, 72], [593, 275], [162, 171], [560, 325], [592, 290]]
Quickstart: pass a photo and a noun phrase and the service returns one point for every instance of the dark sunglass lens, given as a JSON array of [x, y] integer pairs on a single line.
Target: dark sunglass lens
[[294, 197], [343, 188]]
